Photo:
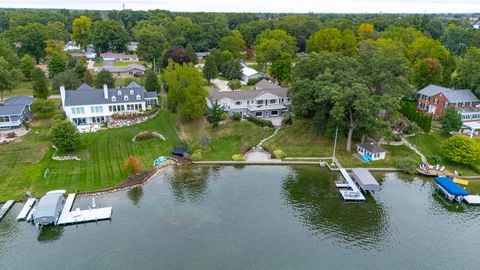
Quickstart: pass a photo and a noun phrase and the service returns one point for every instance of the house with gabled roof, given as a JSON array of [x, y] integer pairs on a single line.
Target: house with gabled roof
[[433, 98], [125, 71], [266, 100], [119, 57], [86, 105], [14, 111]]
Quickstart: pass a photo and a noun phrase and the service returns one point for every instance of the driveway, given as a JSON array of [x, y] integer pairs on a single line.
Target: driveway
[[221, 85]]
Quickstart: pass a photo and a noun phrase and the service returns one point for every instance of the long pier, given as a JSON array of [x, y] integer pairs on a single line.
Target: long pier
[[5, 208], [81, 216], [349, 190], [26, 209]]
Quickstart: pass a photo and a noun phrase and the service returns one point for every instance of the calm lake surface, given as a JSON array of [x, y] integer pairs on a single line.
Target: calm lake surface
[[255, 218]]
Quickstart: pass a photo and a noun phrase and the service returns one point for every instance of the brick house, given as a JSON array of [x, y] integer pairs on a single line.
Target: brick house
[[432, 99]]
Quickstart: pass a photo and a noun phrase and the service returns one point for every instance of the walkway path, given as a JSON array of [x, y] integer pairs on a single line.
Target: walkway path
[[262, 142], [411, 146]]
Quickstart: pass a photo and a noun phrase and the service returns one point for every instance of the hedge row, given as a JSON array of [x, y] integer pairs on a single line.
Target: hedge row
[[409, 110], [260, 122]]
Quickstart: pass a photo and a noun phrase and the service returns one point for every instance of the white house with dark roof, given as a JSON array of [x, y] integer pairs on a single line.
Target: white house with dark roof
[[265, 100], [119, 57], [371, 151], [125, 71], [87, 106], [14, 111], [249, 73]]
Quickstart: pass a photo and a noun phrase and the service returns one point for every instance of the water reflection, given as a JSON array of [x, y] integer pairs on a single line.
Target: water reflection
[[314, 197], [135, 194], [190, 183], [50, 234]]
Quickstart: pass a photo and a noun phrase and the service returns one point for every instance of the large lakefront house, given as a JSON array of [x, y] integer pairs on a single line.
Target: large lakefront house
[[265, 100], [432, 99], [14, 111], [86, 106]]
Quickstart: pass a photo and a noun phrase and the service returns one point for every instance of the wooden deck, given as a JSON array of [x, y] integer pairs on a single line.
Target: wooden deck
[[352, 193], [81, 216], [26, 209], [5, 208], [433, 173]]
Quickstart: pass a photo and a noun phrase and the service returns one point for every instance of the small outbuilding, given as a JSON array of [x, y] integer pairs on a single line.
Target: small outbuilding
[[365, 180], [371, 151], [49, 208]]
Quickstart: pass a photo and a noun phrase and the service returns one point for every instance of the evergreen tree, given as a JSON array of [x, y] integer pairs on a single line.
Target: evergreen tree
[[151, 81], [191, 52], [214, 114], [40, 84]]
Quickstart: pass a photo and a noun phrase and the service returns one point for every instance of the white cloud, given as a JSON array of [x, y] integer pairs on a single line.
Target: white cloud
[[338, 6]]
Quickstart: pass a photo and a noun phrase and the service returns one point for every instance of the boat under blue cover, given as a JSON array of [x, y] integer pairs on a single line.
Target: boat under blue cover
[[450, 186]]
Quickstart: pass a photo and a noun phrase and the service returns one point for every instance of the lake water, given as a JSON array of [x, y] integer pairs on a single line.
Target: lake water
[[255, 218]]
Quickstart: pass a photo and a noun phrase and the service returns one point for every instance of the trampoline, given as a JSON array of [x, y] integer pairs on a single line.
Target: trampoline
[[180, 148]]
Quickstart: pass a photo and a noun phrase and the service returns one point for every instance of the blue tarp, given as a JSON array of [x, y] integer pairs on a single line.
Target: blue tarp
[[450, 186]]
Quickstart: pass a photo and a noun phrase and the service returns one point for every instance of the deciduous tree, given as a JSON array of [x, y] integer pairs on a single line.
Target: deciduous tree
[[281, 68], [151, 81], [40, 84], [27, 64], [450, 119], [82, 30], [104, 77], [65, 136], [461, 149]]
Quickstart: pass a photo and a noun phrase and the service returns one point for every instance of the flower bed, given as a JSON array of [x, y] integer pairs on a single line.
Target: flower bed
[[147, 135]]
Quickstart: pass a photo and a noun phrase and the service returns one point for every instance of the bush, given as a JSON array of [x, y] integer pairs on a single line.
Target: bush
[[412, 128], [236, 116], [279, 154], [397, 138], [133, 165], [57, 118], [260, 122], [26, 124], [238, 157], [254, 81], [65, 135], [434, 159], [407, 165], [461, 149], [197, 155], [146, 135], [287, 119]]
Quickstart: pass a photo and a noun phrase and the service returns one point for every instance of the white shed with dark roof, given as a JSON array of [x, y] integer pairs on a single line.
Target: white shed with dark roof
[[371, 151]]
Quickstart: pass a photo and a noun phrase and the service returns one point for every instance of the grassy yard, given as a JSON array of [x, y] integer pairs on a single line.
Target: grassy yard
[[226, 140], [24, 88], [299, 140], [430, 145], [103, 154]]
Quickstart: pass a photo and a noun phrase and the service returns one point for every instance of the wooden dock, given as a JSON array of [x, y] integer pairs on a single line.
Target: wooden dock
[[5, 208], [352, 193], [81, 216], [26, 209]]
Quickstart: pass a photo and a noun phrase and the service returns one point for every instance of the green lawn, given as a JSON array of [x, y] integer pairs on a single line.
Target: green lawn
[[430, 144], [299, 140], [226, 140], [103, 155]]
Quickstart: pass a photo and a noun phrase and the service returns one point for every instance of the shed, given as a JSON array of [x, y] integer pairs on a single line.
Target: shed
[[371, 151], [49, 208], [365, 179]]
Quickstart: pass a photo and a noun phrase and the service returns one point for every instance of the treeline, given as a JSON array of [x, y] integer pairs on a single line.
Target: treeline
[[409, 110]]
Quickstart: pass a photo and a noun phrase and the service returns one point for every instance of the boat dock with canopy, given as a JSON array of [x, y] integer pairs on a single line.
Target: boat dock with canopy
[[450, 189], [365, 180]]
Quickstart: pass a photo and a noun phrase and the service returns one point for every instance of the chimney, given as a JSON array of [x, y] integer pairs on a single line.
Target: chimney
[[105, 91], [62, 94]]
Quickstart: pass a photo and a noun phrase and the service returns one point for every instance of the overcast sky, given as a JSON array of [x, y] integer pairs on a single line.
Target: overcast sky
[[334, 6]]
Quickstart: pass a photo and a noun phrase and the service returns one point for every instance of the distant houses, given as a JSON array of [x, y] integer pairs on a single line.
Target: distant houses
[[133, 46], [433, 99], [125, 71], [266, 100], [71, 47], [119, 57], [249, 73], [88, 106], [14, 111]]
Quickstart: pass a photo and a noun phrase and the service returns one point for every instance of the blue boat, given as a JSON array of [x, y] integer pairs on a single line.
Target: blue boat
[[450, 189]]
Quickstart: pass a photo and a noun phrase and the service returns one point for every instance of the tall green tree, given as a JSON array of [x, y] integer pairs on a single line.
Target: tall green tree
[[215, 114], [65, 135], [151, 81], [82, 30], [427, 71], [109, 35], [27, 65], [210, 69], [68, 78], [281, 68], [56, 64], [450, 119], [461, 149], [191, 52], [468, 71], [31, 39], [104, 77], [40, 84], [332, 40], [271, 43], [152, 41], [233, 43], [6, 82], [185, 91]]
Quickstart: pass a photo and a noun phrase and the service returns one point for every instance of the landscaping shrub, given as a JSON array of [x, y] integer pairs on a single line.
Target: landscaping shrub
[[65, 135], [279, 154], [407, 165], [146, 135], [254, 81], [461, 149], [409, 110], [26, 124], [287, 119], [412, 128], [434, 159], [260, 122], [133, 165], [236, 116], [197, 155], [238, 157]]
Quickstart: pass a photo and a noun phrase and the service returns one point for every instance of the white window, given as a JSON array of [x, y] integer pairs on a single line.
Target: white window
[[131, 92], [119, 93], [272, 101], [78, 110], [138, 97], [114, 99], [73, 110], [125, 98], [238, 103]]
